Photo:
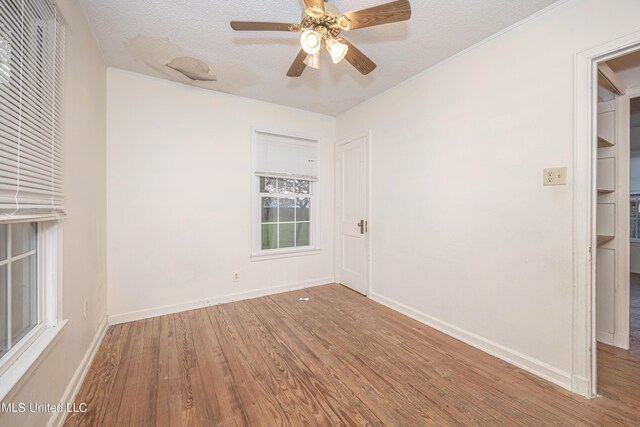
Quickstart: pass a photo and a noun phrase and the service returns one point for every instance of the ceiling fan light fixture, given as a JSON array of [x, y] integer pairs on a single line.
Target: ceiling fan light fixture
[[336, 49], [343, 22], [313, 61], [314, 12], [310, 42]]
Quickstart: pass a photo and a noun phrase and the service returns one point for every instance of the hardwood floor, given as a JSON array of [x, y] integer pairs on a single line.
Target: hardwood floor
[[619, 370], [339, 359]]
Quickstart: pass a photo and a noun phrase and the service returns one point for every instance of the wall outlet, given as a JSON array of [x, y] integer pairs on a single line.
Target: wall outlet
[[85, 307], [236, 276], [555, 176]]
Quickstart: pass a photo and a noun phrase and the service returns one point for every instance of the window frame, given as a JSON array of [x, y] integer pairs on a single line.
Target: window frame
[[20, 358], [636, 240], [257, 253], [287, 195], [9, 261]]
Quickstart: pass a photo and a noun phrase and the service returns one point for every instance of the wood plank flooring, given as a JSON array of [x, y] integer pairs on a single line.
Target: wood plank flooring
[[339, 359], [619, 370]]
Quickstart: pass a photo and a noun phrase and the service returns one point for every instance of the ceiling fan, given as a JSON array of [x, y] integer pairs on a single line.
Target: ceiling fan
[[322, 23]]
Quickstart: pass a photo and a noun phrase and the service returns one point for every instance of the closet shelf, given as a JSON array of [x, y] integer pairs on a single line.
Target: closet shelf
[[604, 142], [604, 239]]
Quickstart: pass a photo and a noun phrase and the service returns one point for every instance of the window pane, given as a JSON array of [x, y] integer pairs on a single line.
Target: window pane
[[267, 185], [269, 236], [302, 186], [286, 185], [286, 235], [302, 208], [3, 309], [287, 208], [23, 297], [5, 56], [23, 238], [302, 234], [3, 242], [269, 209]]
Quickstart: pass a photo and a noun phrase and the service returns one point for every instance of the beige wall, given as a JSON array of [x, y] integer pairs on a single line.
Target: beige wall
[[464, 236], [179, 197], [84, 229]]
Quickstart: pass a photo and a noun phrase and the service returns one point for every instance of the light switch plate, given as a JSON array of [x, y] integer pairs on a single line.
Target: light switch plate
[[555, 176]]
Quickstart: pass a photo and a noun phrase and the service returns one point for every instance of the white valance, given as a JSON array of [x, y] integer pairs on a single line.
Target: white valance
[[285, 157]]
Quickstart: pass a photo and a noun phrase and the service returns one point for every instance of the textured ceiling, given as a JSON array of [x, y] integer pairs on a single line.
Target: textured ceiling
[[144, 35]]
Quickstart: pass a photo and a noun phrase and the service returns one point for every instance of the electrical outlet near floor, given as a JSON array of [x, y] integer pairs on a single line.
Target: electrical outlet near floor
[[85, 307], [555, 176], [236, 276]]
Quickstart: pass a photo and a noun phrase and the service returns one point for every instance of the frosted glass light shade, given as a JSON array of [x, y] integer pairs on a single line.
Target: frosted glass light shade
[[310, 42], [313, 61], [337, 50]]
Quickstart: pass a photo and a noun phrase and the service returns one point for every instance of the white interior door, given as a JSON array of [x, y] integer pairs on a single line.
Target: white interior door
[[353, 227]]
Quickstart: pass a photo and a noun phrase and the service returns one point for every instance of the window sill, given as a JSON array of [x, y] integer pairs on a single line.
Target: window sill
[[285, 254], [29, 359]]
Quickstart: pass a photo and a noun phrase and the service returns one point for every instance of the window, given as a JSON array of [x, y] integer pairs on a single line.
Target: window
[[285, 215], [285, 170], [31, 176], [635, 216], [18, 283]]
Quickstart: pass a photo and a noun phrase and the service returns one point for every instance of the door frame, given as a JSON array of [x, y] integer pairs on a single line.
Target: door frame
[[584, 363], [368, 269]]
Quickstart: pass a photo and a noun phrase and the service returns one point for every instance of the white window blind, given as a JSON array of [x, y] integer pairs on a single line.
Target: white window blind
[[31, 86], [285, 157]]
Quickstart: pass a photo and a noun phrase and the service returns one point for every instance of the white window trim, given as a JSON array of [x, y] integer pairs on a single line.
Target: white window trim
[[632, 240], [24, 355], [257, 254]]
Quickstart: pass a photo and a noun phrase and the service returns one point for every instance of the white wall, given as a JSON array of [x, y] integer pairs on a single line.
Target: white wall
[[464, 235], [179, 204], [84, 253]]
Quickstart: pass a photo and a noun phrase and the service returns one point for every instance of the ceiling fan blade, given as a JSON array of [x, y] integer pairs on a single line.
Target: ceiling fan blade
[[359, 59], [314, 3], [260, 26], [383, 14], [298, 65]]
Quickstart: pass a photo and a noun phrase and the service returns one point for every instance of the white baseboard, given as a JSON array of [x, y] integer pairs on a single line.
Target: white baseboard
[[604, 337], [580, 385], [529, 364], [192, 305], [69, 396], [621, 341]]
